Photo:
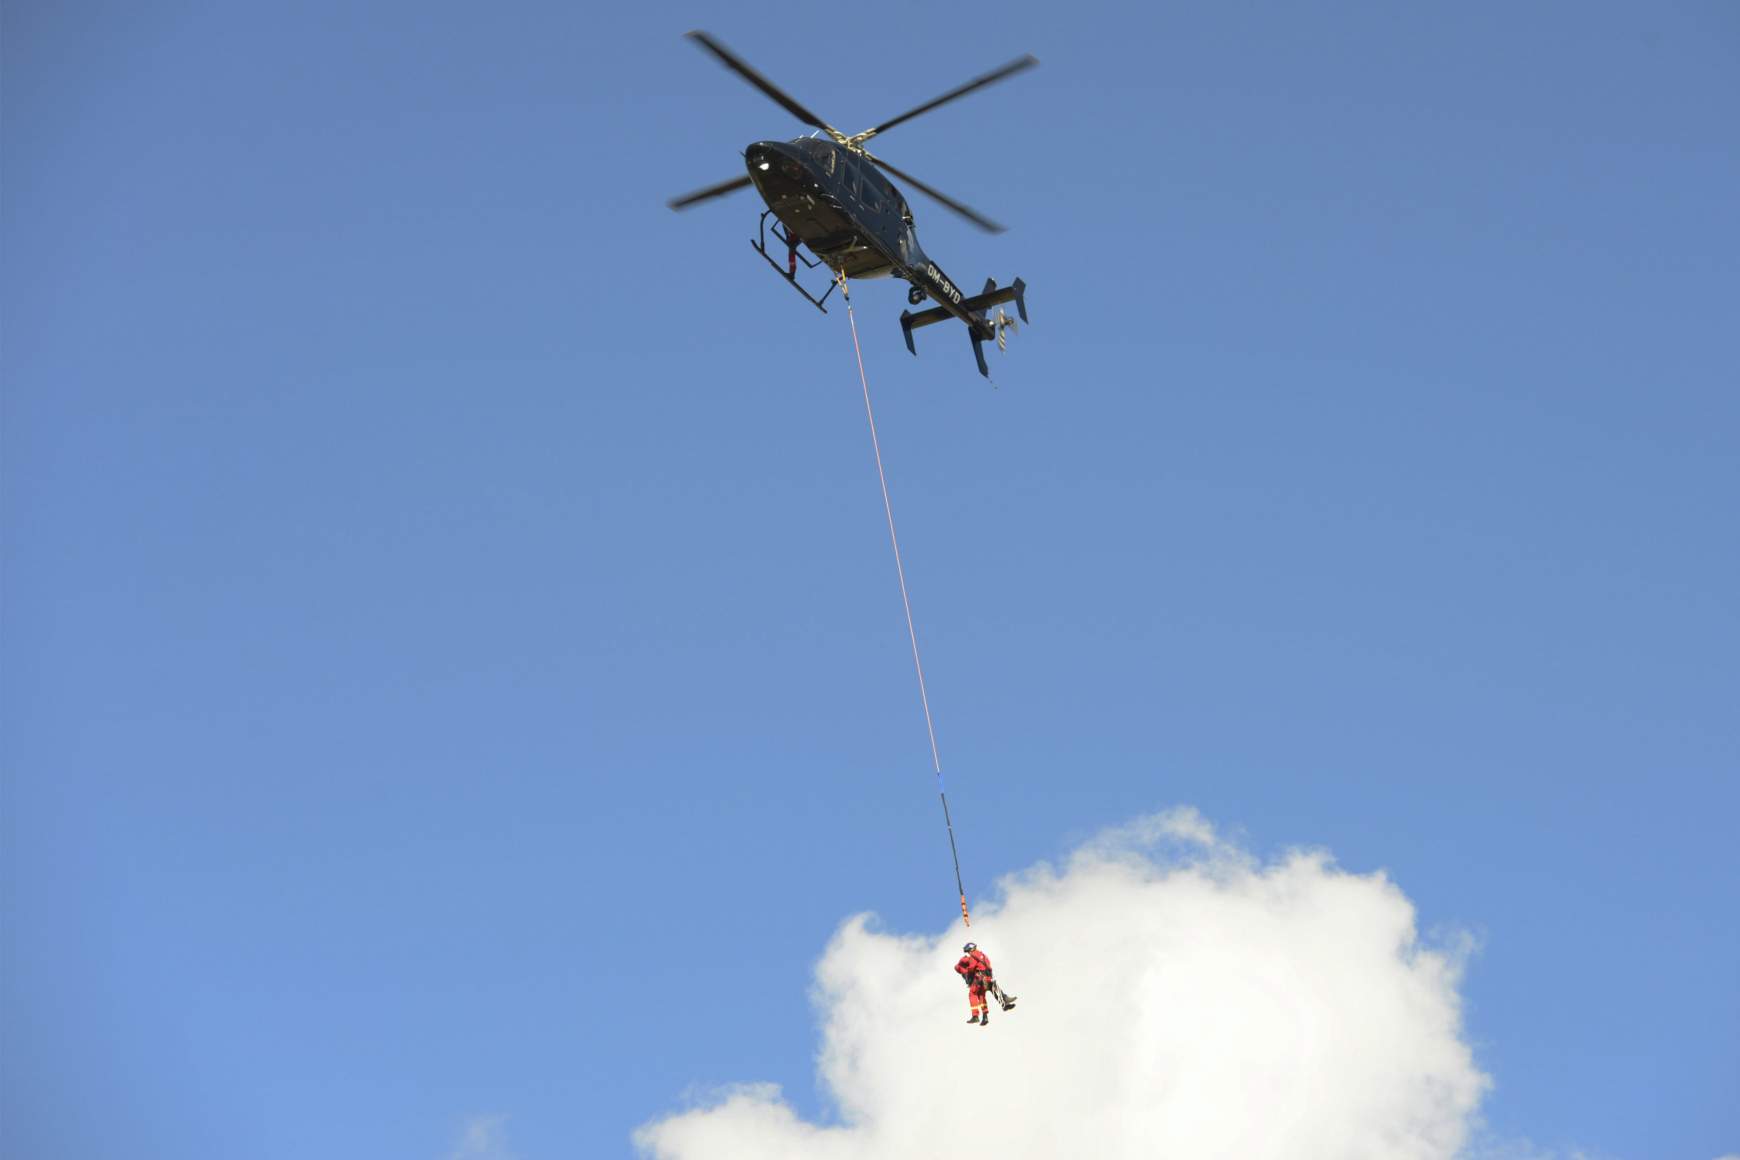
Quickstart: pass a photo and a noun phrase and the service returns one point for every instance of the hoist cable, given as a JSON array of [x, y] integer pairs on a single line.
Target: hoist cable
[[905, 601]]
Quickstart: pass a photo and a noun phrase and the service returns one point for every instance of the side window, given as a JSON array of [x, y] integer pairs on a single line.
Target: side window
[[869, 189]]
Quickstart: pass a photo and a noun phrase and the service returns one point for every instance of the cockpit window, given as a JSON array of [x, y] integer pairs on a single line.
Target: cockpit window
[[874, 176], [890, 195], [821, 152]]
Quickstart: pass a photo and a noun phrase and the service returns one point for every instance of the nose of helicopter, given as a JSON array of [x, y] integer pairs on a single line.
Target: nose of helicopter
[[766, 157]]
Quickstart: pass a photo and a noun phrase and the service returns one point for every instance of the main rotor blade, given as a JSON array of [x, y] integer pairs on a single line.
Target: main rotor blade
[[720, 190], [743, 70], [989, 78], [965, 211]]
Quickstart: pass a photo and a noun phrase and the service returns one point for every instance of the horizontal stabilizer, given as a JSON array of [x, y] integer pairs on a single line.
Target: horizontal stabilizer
[[977, 303], [1017, 294], [910, 322], [978, 326]]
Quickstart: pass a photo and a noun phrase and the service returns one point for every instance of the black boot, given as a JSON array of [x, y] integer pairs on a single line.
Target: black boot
[[973, 1018]]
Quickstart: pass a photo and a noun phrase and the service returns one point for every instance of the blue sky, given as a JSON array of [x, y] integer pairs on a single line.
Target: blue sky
[[452, 663]]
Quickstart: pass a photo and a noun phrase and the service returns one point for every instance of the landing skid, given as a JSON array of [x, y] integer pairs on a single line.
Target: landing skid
[[781, 234]]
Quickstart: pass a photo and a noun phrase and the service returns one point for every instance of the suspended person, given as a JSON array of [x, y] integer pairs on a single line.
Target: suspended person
[[996, 992], [974, 968]]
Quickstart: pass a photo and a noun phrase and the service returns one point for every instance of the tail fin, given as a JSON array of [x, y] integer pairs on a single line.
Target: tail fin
[[977, 334]]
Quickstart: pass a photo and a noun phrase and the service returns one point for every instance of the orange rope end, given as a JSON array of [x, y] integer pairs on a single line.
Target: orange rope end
[[965, 917]]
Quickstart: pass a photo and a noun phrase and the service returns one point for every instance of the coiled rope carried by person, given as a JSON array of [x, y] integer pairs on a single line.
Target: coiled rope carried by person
[[905, 601]]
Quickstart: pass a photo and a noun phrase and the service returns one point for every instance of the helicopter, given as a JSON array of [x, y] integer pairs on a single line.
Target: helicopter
[[827, 195]]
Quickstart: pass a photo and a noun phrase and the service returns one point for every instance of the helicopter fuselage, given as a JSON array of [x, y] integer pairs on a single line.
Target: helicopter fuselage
[[849, 215]]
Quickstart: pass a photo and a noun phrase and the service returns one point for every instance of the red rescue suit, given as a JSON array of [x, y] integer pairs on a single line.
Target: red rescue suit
[[975, 968]]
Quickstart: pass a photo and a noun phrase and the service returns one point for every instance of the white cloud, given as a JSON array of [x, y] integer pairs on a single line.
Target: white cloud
[[482, 1138], [1178, 998]]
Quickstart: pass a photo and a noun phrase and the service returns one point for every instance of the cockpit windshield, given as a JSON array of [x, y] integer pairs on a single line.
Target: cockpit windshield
[[821, 152]]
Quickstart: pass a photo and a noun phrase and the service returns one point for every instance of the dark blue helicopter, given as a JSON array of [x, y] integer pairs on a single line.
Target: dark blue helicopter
[[829, 196]]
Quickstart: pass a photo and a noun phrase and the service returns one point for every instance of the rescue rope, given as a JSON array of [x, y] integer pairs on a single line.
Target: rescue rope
[[905, 601]]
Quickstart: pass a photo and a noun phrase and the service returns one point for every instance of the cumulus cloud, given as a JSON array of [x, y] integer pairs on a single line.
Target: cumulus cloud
[[1178, 998]]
